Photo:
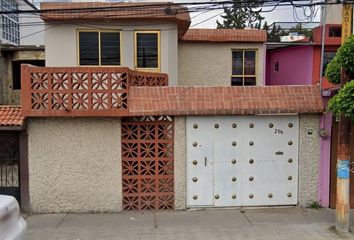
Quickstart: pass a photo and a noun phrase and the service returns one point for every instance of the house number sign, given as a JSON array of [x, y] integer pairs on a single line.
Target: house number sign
[[278, 131]]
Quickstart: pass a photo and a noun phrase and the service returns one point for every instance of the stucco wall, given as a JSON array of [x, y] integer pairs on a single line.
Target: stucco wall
[[180, 162], [309, 157], [75, 165], [295, 66], [210, 64], [61, 45]]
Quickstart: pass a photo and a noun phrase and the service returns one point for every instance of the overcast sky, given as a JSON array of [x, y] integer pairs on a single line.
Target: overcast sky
[[280, 14]]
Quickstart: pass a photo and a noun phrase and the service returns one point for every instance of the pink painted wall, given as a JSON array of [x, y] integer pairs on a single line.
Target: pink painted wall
[[295, 66]]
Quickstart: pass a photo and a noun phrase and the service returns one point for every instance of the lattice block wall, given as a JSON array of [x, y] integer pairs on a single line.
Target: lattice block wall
[[147, 155]]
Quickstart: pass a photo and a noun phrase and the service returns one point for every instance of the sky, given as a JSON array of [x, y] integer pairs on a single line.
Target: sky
[[208, 19]]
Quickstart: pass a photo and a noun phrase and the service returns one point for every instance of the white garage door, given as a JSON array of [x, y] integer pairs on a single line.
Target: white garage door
[[242, 160]]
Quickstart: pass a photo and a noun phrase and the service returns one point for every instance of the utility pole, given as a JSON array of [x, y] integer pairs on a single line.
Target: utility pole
[[343, 158]]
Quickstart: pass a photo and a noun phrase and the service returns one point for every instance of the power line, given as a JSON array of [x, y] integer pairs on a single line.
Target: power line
[[202, 7], [143, 7]]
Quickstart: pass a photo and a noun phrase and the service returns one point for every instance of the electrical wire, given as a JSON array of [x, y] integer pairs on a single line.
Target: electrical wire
[[310, 10]]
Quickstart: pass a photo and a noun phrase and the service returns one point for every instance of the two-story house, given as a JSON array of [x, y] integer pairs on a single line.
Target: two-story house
[[136, 111]]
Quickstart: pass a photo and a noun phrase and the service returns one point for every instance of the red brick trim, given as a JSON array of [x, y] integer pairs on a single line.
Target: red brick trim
[[224, 100], [225, 35]]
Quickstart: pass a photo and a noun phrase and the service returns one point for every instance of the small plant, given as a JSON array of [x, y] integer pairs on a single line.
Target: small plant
[[333, 71], [343, 102], [314, 205]]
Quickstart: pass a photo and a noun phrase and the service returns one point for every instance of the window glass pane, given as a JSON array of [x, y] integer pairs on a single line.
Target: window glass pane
[[88, 44], [147, 50], [237, 62], [110, 48], [327, 58], [250, 81], [236, 81], [250, 63]]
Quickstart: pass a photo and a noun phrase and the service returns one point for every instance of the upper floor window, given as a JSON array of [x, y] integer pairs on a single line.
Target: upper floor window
[[335, 32], [99, 48], [243, 68], [147, 50], [10, 23]]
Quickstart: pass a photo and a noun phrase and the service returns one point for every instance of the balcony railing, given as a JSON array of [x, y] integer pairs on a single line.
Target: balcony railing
[[81, 91]]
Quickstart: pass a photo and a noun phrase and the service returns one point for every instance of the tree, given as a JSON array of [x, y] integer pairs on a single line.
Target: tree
[[242, 14], [275, 34], [343, 102]]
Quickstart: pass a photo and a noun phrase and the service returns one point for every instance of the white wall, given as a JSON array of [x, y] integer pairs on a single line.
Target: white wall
[[33, 32], [62, 51]]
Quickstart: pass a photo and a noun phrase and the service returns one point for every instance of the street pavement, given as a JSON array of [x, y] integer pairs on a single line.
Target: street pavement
[[221, 224]]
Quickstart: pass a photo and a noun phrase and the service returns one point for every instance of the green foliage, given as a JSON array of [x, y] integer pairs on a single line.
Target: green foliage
[[314, 205], [333, 71], [275, 34], [242, 14], [345, 55], [343, 102]]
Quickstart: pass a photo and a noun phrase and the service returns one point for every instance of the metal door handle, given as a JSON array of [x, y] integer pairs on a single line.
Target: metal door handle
[[279, 153], [205, 161]]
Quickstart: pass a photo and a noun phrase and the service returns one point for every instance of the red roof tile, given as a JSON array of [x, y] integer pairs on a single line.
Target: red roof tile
[[121, 11], [225, 35], [224, 100], [11, 116]]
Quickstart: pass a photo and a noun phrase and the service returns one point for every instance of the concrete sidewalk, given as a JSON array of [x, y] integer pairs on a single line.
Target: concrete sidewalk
[[270, 224]]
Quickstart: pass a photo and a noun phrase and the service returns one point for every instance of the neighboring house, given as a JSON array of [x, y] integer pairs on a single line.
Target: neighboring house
[[20, 29], [21, 41], [20, 37], [11, 58], [300, 64], [135, 111]]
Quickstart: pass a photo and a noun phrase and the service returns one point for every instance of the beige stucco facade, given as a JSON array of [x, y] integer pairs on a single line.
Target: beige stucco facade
[[74, 165], [309, 158], [62, 47], [210, 64], [180, 162]]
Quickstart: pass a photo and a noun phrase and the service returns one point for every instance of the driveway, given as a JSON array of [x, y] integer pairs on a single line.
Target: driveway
[[257, 224]]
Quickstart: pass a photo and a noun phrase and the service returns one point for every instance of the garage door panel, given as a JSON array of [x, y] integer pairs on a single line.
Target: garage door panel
[[199, 170], [199, 180], [266, 183], [249, 160], [226, 153]]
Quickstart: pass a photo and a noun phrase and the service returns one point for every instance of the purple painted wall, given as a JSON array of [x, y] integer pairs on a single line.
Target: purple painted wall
[[295, 66], [325, 159]]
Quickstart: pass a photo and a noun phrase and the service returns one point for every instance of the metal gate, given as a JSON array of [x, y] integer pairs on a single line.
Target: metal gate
[[147, 163], [242, 160], [9, 164]]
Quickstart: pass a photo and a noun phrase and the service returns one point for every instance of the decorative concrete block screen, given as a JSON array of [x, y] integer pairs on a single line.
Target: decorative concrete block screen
[[81, 91], [147, 163]]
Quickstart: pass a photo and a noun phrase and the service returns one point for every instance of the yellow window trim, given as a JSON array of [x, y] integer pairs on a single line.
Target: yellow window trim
[[158, 69], [99, 46], [243, 76]]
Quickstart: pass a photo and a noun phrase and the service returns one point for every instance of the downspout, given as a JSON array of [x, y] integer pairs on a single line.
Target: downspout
[[324, 9], [323, 174]]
